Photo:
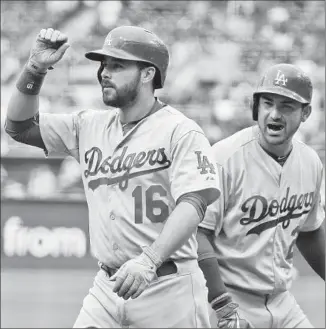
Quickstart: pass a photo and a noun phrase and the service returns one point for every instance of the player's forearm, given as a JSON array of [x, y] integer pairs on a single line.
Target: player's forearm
[[182, 222], [312, 247], [218, 297], [22, 107], [208, 264], [24, 101]]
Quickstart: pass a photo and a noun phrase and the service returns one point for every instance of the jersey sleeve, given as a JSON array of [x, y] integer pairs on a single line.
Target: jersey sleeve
[[316, 215], [214, 215], [192, 167], [60, 133]]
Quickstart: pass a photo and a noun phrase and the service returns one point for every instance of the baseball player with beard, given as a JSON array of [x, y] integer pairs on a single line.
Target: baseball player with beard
[[148, 176], [270, 202]]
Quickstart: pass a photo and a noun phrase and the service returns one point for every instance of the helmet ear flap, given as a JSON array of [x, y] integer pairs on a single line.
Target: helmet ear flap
[[255, 104], [157, 79], [99, 73]]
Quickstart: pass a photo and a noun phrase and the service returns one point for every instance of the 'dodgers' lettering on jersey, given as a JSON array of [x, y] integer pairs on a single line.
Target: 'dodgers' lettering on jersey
[[257, 208], [122, 163]]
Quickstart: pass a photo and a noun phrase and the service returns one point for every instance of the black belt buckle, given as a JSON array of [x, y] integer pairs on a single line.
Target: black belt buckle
[[167, 268]]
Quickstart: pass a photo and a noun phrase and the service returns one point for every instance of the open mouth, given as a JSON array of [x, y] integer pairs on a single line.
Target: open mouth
[[275, 126]]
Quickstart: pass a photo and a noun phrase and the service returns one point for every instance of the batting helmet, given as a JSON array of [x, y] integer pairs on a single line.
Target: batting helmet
[[286, 80], [135, 44]]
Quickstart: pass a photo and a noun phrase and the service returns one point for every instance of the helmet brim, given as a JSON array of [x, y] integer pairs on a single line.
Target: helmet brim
[[282, 91], [100, 54]]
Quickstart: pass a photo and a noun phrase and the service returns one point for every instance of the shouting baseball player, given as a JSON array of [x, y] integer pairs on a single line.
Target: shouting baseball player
[[148, 176], [270, 202]]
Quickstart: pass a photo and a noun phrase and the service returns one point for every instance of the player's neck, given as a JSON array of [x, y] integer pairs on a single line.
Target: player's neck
[[136, 111], [277, 150]]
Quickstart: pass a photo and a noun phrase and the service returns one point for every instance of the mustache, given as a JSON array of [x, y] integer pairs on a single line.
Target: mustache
[[107, 84]]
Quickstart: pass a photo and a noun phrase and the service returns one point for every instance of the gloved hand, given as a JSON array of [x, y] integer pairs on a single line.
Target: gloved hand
[[49, 47], [136, 274], [227, 313]]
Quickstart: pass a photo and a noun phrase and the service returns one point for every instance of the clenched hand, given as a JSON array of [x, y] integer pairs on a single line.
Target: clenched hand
[[49, 47]]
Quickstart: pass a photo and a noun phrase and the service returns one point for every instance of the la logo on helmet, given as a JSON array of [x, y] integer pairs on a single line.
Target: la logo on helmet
[[280, 79], [108, 40]]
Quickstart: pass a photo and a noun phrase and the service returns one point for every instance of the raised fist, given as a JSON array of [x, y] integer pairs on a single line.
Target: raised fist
[[48, 49]]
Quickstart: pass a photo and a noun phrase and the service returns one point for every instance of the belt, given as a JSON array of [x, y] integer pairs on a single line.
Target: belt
[[167, 268]]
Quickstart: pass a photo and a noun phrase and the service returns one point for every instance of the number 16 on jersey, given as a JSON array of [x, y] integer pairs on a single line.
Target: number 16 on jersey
[[156, 210]]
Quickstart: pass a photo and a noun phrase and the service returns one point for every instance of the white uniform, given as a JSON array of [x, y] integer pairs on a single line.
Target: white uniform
[[262, 209], [132, 182]]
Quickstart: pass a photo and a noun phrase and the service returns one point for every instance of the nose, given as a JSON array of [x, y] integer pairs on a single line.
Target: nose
[[105, 74], [275, 113]]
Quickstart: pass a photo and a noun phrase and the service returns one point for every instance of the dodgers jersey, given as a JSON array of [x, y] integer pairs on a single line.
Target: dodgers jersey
[[262, 208], [132, 181]]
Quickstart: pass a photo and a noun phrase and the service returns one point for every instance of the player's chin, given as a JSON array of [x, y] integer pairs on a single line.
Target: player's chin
[[275, 138], [109, 101]]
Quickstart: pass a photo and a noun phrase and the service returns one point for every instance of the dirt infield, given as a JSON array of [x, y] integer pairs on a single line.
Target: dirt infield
[[52, 298]]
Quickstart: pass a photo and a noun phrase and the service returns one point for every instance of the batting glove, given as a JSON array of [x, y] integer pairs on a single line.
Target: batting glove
[[135, 275], [227, 313]]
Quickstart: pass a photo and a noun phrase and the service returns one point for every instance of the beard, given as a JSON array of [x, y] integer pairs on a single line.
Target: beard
[[123, 96]]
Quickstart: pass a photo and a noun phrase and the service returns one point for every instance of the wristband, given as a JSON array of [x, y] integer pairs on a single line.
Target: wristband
[[221, 301], [153, 256], [30, 83]]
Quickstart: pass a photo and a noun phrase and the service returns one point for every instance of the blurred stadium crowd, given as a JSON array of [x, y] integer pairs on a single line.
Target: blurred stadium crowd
[[218, 50]]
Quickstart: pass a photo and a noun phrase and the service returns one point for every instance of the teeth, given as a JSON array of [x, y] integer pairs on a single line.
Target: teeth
[[274, 127]]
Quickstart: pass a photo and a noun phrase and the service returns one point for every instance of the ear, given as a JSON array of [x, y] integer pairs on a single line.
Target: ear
[[306, 111], [148, 74]]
